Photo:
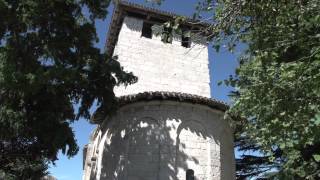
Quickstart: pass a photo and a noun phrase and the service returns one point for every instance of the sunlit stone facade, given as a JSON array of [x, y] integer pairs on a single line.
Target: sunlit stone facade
[[166, 135]]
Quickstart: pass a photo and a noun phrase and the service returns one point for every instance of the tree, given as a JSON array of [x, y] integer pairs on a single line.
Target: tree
[[277, 83], [48, 63], [277, 97]]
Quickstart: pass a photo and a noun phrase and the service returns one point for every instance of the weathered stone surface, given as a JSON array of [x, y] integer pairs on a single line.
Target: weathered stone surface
[[162, 66], [167, 123], [135, 144], [48, 177]]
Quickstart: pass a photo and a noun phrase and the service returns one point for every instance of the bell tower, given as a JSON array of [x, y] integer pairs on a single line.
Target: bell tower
[[180, 65], [167, 127]]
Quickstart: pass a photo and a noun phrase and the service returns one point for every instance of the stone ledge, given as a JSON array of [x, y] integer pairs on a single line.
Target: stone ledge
[[163, 96], [174, 96]]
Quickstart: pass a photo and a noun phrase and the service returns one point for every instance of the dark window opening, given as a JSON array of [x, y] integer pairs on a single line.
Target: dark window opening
[[147, 30], [185, 39], [190, 174]]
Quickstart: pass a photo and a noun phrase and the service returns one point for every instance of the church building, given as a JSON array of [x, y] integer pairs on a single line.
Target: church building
[[167, 126]]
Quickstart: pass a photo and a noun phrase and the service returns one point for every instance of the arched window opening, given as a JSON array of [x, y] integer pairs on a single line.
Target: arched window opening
[[190, 174]]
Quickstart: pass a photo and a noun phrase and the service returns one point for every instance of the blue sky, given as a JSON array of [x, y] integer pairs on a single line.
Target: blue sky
[[222, 64]]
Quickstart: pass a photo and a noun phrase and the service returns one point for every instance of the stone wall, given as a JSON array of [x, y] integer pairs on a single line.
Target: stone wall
[[161, 140], [48, 177], [162, 66]]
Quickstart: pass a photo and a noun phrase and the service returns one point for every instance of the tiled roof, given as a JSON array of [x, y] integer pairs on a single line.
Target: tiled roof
[[172, 96], [146, 8], [163, 96]]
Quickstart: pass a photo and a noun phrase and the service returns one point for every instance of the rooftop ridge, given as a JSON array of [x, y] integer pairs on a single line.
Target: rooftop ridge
[[177, 96], [165, 96]]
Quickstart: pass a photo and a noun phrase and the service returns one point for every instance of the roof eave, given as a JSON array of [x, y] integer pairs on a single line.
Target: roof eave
[[123, 7]]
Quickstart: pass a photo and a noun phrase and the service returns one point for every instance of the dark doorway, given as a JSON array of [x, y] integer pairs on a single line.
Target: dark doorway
[[190, 174]]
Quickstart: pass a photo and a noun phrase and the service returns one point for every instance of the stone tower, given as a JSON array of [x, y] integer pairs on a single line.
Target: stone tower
[[167, 126]]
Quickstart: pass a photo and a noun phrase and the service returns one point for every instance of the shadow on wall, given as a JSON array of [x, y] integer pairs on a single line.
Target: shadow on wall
[[165, 148]]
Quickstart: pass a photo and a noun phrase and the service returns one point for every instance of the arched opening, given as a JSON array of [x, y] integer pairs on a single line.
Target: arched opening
[[190, 174], [192, 151]]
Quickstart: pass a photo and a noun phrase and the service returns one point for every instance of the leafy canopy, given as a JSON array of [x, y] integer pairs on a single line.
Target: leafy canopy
[[277, 82], [48, 63], [277, 97]]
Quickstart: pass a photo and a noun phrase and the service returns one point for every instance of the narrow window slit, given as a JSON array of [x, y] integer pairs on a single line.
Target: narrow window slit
[[190, 174], [147, 30], [185, 39]]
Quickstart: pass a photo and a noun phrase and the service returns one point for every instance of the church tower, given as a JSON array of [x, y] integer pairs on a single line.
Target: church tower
[[167, 126]]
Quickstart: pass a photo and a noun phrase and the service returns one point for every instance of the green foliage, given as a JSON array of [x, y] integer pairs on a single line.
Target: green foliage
[[277, 82], [277, 97], [48, 63], [168, 29]]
